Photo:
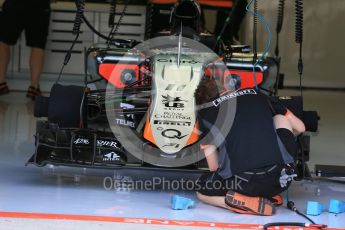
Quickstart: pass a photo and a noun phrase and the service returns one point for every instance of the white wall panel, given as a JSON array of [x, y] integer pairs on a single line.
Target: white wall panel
[[324, 40]]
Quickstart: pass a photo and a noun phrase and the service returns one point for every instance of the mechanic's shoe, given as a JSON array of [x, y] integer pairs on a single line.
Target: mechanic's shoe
[[33, 92], [277, 200], [249, 205], [4, 88]]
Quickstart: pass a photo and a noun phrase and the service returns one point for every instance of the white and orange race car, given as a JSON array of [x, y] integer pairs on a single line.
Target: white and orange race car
[[145, 115]]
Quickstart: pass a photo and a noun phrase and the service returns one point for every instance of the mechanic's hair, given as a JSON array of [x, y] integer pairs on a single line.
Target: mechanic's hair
[[207, 91]]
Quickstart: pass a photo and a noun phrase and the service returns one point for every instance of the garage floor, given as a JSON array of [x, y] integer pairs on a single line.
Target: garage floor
[[30, 195]]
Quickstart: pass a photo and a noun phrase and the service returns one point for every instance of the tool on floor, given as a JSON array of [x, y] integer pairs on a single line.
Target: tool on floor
[[336, 206], [292, 207], [181, 203], [314, 208], [304, 225]]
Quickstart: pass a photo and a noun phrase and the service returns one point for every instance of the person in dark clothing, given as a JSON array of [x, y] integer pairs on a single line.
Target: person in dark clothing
[[231, 29], [186, 19], [33, 17], [249, 144], [158, 17]]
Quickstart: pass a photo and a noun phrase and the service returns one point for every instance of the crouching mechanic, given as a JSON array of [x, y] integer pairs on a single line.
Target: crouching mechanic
[[250, 149]]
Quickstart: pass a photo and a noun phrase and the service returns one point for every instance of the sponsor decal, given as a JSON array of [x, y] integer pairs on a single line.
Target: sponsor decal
[[182, 61], [173, 102], [175, 145], [112, 156], [172, 134], [172, 115], [177, 87], [174, 108], [235, 94], [127, 119], [124, 122], [100, 142], [81, 141], [167, 122]]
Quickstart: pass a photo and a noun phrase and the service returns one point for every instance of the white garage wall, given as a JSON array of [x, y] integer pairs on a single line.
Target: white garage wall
[[324, 40]]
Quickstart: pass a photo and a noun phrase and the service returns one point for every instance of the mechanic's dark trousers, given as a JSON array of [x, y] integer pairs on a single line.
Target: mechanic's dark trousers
[[265, 182]]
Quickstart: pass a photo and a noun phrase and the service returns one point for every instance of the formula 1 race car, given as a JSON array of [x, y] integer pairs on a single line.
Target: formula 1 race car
[[145, 115]]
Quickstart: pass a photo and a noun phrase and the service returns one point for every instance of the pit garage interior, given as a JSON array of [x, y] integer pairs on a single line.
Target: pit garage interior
[[81, 197]]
